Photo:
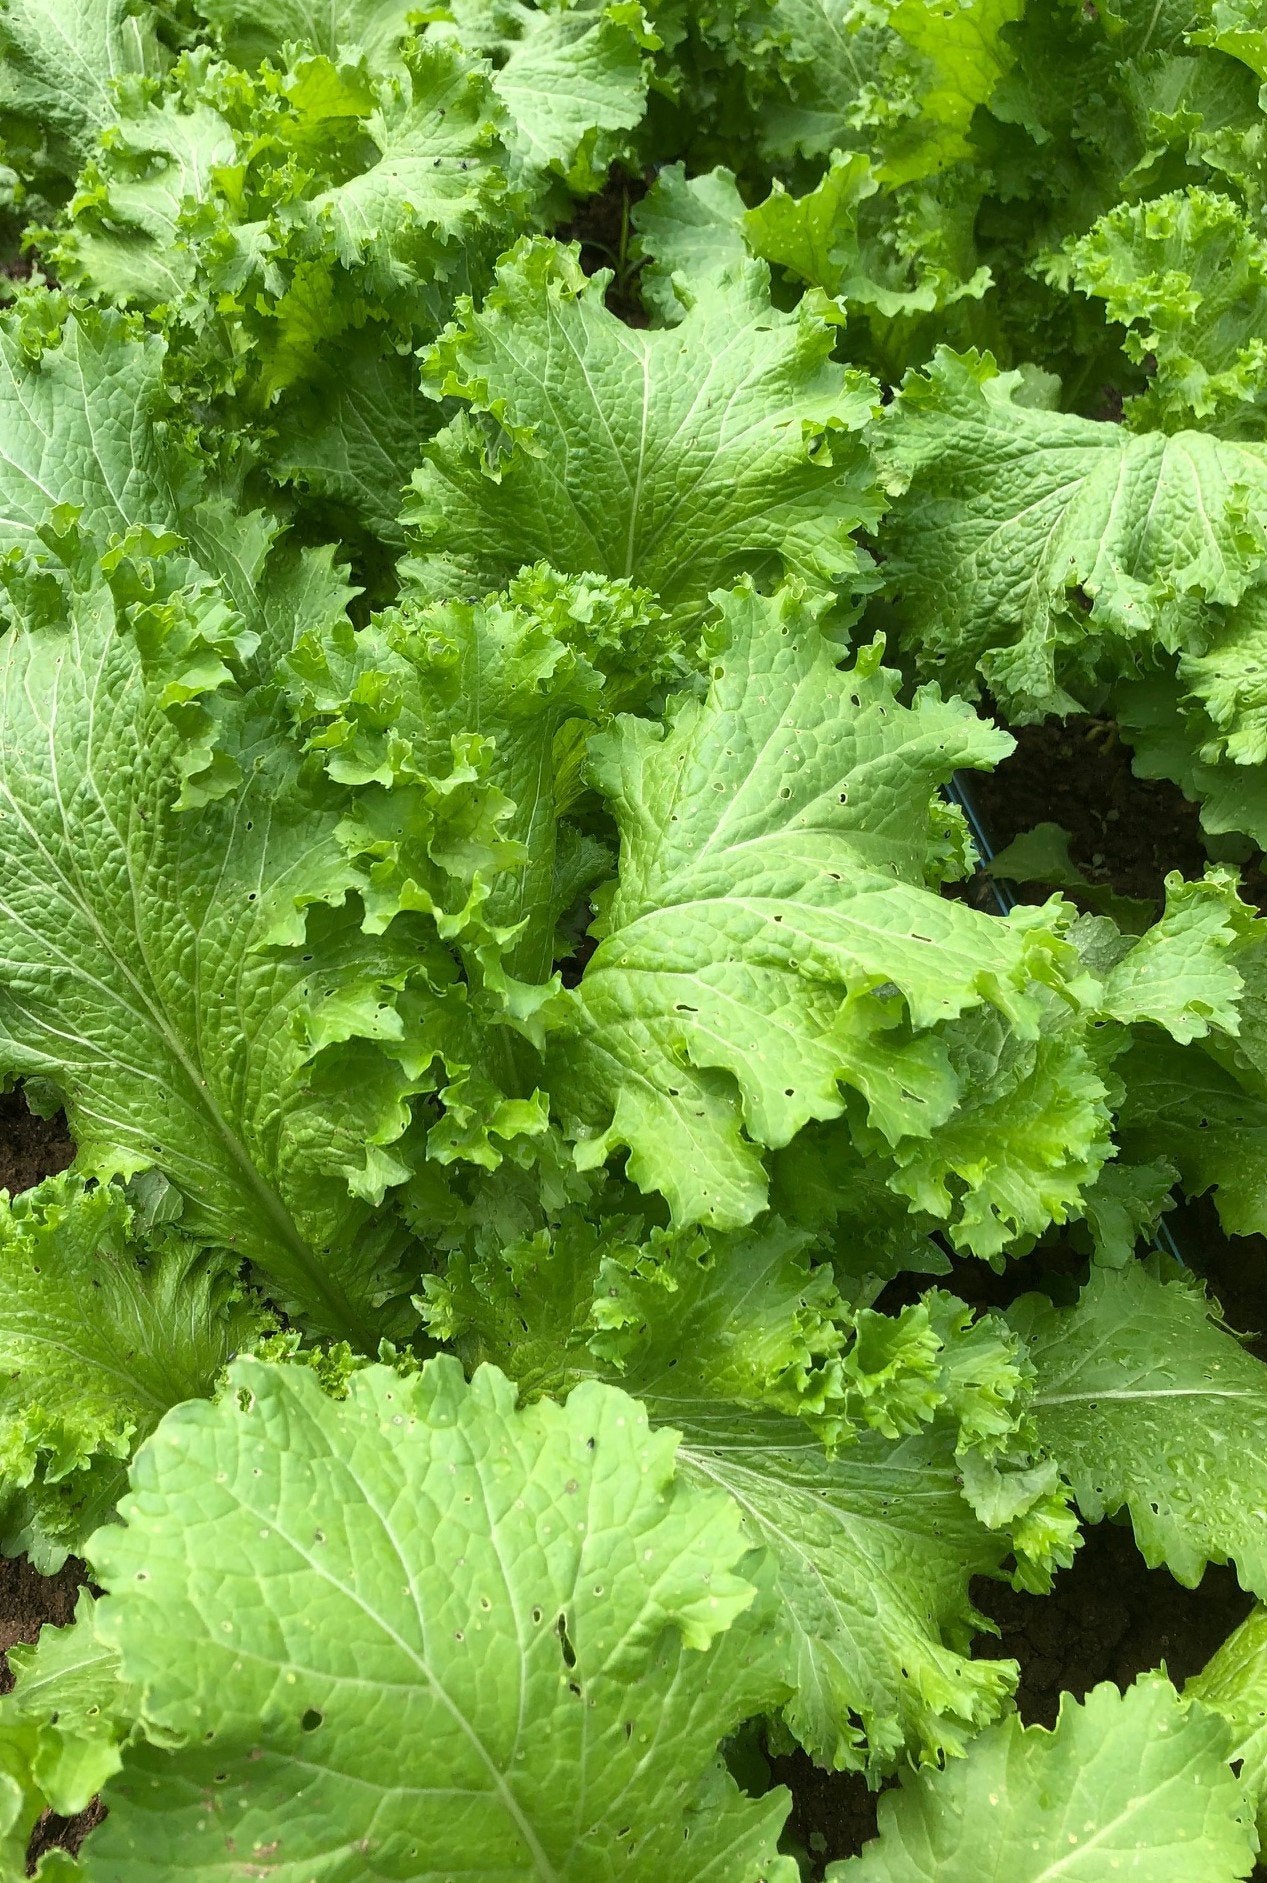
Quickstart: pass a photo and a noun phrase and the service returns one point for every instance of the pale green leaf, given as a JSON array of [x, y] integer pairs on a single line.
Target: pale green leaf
[[1182, 974], [556, 1621], [1171, 737], [1135, 1782]]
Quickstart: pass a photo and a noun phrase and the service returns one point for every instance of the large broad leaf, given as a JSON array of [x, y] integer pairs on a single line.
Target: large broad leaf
[[102, 1330], [1033, 549], [1137, 1783], [678, 459], [772, 936], [60, 60], [1149, 1406], [555, 1623]]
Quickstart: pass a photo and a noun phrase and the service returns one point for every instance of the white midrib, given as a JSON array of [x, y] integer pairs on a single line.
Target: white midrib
[[1130, 1393]]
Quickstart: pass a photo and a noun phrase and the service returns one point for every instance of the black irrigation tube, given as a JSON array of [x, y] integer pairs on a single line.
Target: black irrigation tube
[[1004, 897]]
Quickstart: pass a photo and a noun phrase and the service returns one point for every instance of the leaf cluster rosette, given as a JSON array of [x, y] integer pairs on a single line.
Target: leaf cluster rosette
[[514, 519]]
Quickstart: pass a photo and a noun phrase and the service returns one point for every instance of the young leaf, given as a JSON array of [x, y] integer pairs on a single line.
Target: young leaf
[[558, 1625], [101, 1331], [1136, 1782], [1206, 1111], [1148, 1405]]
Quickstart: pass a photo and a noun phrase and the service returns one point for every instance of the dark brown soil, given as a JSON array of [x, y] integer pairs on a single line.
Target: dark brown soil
[[54, 1833], [1108, 1618], [27, 1601], [602, 227], [31, 1148], [1126, 831]]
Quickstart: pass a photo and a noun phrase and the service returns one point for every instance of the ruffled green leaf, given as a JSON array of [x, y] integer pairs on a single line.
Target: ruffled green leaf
[[677, 459], [693, 228], [1205, 1110], [1033, 550], [874, 1551], [137, 974], [903, 77], [743, 1345], [1171, 736], [1136, 1781], [771, 938], [1186, 274], [572, 75], [274, 222], [1150, 1406]]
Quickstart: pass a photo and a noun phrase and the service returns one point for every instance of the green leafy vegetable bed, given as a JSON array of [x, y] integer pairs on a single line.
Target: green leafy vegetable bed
[[588, 1245]]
